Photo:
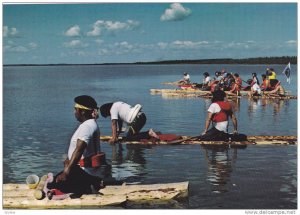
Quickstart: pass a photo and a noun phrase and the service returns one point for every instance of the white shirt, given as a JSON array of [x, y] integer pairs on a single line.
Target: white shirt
[[120, 110], [256, 87], [186, 77], [207, 80], [221, 126], [89, 132]]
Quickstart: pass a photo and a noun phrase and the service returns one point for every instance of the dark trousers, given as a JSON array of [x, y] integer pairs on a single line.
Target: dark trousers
[[215, 135], [135, 128], [78, 182]]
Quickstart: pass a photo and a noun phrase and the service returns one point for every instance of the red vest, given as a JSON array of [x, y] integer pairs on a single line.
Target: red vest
[[223, 114]]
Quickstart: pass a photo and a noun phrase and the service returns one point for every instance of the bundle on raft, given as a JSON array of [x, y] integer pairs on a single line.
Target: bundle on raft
[[251, 140], [190, 92], [19, 196]]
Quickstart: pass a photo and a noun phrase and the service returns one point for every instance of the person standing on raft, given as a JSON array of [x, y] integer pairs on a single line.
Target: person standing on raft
[[122, 112], [218, 113], [79, 175]]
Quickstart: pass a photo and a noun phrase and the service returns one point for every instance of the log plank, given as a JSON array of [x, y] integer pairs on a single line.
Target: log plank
[[19, 196]]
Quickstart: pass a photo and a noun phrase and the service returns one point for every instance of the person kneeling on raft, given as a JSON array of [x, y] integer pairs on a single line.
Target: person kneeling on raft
[[80, 176], [218, 113], [122, 112]]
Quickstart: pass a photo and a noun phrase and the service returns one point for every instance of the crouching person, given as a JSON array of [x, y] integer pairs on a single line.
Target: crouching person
[[79, 174], [135, 119], [218, 113]]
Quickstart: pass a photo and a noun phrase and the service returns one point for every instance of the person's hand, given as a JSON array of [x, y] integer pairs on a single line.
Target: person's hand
[[113, 140], [62, 177]]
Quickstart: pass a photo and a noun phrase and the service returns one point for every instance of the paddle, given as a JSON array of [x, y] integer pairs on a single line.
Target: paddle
[[183, 140]]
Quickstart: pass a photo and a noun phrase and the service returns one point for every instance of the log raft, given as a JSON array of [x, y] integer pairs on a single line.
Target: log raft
[[19, 196], [187, 93], [251, 140]]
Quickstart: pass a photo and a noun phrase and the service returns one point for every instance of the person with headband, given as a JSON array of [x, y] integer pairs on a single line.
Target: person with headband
[[120, 112], [79, 175]]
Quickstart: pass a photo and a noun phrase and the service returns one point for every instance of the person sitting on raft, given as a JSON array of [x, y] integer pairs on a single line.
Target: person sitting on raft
[[120, 112], [185, 79], [265, 85], [218, 113], [255, 89], [228, 82], [76, 177], [278, 90], [236, 88], [271, 76], [255, 78], [205, 83]]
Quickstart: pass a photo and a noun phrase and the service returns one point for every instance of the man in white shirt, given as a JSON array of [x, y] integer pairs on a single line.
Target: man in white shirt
[[186, 79], [122, 112], [79, 175]]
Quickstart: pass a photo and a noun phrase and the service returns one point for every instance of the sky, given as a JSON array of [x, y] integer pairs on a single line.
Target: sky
[[143, 32]]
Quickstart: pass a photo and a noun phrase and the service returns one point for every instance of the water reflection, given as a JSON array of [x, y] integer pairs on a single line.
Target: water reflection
[[131, 166], [256, 104], [220, 164]]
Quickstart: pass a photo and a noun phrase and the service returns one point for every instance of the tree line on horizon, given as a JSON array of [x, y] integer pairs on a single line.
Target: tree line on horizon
[[258, 60]]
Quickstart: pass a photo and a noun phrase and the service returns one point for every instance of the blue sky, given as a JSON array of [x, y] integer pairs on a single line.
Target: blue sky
[[135, 32]]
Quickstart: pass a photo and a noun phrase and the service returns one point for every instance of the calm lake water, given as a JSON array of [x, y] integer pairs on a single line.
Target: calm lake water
[[38, 123]]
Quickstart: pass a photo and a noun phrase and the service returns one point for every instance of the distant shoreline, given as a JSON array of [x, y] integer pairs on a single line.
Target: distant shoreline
[[250, 61]]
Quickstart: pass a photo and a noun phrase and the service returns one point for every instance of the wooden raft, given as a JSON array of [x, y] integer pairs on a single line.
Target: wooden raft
[[187, 93], [252, 140], [19, 196]]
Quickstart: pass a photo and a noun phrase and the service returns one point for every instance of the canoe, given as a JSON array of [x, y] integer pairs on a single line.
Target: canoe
[[19, 196], [189, 92], [251, 140]]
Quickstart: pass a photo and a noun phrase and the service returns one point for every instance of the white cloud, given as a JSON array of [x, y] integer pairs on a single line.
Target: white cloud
[[176, 13], [5, 31], [188, 44], [162, 45], [75, 44], [291, 42], [32, 45], [9, 32], [15, 49], [11, 46], [112, 26], [95, 32], [73, 31]]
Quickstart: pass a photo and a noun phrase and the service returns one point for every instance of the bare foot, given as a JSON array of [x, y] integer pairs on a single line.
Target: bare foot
[[153, 134]]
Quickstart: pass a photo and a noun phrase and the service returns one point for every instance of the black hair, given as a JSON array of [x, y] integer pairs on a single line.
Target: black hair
[[105, 109], [206, 74], [86, 101], [254, 74], [218, 95], [263, 76], [236, 75], [249, 81]]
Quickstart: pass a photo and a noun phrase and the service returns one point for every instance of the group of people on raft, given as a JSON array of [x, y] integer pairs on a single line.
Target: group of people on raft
[[80, 173], [232, 83]]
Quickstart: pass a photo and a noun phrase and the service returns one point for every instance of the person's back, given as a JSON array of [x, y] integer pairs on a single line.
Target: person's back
[[120, 109], [218, 113], [272, 74]]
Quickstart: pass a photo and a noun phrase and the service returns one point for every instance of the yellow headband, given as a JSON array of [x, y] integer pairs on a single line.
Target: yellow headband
[[82, 107]]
